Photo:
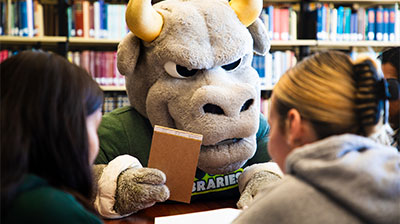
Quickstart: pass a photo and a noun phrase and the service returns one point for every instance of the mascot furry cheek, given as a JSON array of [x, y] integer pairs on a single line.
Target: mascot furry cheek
[[187, 65]]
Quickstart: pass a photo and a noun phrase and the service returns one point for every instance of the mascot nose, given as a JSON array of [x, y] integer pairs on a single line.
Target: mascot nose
[[215, 109]]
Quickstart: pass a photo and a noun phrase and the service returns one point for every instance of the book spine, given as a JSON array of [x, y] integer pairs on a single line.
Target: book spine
[[277, 30], [284, 14], [361, 24], [340, 16], [78, 6], [319, 22], [347, 24], [23, 19], [85, 11], [392, 18], [270, 11], [379, 24], [91, 21], [385, 24], [96, 16], [371, 24], [29, 18], [332, 35], [38, 14], [293, 25]]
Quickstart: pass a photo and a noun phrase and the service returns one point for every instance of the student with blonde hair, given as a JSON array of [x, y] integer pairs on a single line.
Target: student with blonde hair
[[322, 112]]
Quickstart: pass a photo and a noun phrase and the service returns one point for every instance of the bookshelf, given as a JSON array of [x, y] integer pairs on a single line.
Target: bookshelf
[[57, 17]]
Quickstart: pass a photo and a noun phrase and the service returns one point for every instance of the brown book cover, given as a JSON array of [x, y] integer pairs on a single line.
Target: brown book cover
[[176, 153]]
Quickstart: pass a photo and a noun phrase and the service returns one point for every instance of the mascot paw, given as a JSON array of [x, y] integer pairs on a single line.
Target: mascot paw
[[140, 188], [253, 179]]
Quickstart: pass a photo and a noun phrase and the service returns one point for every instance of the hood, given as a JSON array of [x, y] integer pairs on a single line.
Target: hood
[[356, 172]]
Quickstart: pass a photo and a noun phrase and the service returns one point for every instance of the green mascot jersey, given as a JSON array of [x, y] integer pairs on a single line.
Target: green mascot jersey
[[125, 131]]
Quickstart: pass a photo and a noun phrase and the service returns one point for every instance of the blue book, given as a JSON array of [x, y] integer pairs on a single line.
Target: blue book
[[354, 27], [270, 12], [391, 24], [347, 23], [386, 24], [103, 19], [371, 24], [340, 16], [23, 22], [379, 24], [319, 22]]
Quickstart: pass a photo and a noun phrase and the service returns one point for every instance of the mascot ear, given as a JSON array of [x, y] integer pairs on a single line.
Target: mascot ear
[[260, 37], [128, 54]]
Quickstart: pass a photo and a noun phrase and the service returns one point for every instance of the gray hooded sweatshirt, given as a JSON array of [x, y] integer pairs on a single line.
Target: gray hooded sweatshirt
[[340, 179]]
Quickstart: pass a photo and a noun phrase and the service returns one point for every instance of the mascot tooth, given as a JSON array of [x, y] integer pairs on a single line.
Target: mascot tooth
[[187, 65]]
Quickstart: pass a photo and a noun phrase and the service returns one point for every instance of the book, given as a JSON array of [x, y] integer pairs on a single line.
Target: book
[[379, 24], [347, 24], [332, 34], [86, 14], [176, 152], [391, 31], [78, 12], [340, 23], [385, 24], [38, 19], [371, 24], [220, 216]]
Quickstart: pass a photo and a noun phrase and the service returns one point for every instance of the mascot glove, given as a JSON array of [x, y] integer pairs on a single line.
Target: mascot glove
[[125, 187], [254, 178]]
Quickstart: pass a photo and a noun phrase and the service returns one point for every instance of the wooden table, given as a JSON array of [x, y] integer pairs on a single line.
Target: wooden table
[[146, 216]]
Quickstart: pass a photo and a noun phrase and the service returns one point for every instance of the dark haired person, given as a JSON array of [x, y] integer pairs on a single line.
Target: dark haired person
[[322, 113], [50, 111], [390, 60]]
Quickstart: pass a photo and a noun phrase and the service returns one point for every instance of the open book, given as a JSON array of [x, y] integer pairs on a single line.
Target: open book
[[219, 216]]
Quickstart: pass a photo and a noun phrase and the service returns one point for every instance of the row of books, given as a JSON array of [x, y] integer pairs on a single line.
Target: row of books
[[22, 18], [102, 65], [86, 18], [97, 19], [280, 22], [114, 100], [271, 66], [349, 24]]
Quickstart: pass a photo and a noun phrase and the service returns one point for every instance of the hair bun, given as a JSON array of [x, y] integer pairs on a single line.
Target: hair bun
[[372, 91]]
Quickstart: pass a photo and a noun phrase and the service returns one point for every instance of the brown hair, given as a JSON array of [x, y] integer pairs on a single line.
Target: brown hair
[[45, 101]]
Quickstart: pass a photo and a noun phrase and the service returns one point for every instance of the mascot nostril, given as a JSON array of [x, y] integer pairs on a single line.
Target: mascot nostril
[[246, 105], [213, 109]]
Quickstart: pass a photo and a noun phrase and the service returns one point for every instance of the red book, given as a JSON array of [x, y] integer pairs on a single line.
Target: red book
[[284, 24], [78, 10], [91, 20], [277, 24]]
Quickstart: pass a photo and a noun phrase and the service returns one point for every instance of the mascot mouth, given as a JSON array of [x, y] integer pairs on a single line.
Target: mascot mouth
[[229, 141], [224, 142]]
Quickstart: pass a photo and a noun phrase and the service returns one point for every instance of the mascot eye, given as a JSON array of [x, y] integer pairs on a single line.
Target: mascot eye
[[232, 66], [178, 71]]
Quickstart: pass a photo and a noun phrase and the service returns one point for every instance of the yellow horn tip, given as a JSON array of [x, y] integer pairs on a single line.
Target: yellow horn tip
[[143, 20], [247, 10]]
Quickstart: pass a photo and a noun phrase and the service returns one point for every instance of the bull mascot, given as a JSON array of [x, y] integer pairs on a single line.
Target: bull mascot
[[187, 65]]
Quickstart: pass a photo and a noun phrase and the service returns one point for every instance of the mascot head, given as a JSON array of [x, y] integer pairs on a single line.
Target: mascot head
[[187, 65]]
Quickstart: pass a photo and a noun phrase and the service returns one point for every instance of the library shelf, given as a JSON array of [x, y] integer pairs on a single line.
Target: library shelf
[[285, 43], [30, 40], [361, 43], [92, 41], [113, 88]]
